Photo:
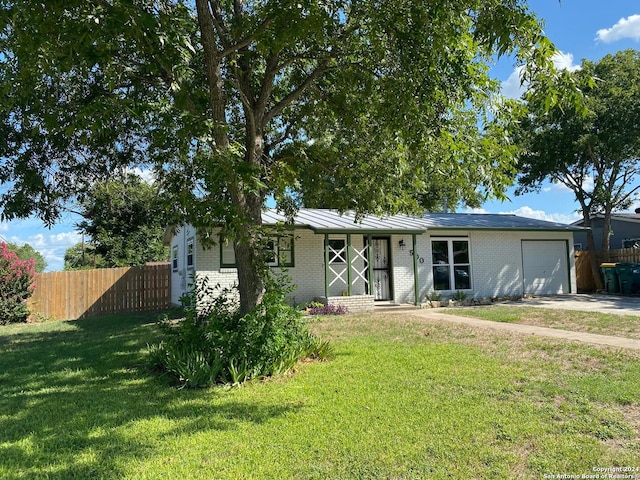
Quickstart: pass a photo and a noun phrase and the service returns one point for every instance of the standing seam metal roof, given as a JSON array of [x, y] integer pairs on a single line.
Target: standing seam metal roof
[[323, 220]]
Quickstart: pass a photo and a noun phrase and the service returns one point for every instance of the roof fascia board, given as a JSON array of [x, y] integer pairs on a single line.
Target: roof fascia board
[[368, 231], [509, 229]]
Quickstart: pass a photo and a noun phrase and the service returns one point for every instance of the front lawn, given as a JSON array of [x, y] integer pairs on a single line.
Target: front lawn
[[578, 321], [403, 398]]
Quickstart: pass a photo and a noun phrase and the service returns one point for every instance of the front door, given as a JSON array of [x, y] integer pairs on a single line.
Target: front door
[[381, 269]]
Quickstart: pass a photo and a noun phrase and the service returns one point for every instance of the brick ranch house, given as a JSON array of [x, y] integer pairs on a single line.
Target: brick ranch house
[[397, 259]]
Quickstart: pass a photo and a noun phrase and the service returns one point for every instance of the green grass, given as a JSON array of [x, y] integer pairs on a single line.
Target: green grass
[[403, 398], [579, 321]]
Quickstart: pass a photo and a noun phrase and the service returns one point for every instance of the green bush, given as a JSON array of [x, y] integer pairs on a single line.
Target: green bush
[[213, 344]]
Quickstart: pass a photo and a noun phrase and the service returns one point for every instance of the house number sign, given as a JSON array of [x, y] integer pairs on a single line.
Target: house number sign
[[420, 259]]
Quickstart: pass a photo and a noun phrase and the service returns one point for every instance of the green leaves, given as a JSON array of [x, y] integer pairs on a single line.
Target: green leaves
[[125, 220], [216, 344], [589, 141], [368, 105]]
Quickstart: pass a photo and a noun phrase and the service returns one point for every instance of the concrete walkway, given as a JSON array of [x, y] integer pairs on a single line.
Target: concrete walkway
[[614, 304], [592, 338]]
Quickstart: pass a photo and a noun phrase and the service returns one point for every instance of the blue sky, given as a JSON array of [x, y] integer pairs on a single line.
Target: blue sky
[[580, 29]]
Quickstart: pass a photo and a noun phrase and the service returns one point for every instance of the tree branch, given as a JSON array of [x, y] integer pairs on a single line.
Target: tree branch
[[295, 94], [214, 76]]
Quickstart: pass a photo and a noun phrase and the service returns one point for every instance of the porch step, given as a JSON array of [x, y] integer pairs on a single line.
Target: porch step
[[390, 307]]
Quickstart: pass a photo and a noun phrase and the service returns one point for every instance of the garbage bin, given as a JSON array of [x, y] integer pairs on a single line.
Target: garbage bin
[[625, 276], [635, 278], [629, 277], [611, 283]]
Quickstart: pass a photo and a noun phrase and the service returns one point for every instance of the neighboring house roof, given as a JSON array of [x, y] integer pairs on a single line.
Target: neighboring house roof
[[327, 221], [623, 217]]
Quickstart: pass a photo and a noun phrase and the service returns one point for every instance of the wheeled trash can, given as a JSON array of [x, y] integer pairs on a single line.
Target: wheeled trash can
[[611, 283]]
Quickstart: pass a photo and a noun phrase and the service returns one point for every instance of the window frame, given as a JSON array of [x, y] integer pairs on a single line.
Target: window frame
[[277, 247], [451, 263], [224, 246], [290, 263], [191, 252], [174, 258]]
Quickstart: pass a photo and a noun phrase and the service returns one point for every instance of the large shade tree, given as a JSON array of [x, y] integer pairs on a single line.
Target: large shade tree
[[125, 219], [595, 150], [232, 101]]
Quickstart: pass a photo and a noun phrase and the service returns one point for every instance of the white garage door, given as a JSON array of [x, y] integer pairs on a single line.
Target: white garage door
[[544, 266]]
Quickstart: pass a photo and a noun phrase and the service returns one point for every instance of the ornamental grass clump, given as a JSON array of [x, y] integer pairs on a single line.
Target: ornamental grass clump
[[16, 286], [214, 344]]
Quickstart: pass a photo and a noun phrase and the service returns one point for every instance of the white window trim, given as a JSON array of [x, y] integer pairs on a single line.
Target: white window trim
[[191, 243], [174, 258], [451, 265]]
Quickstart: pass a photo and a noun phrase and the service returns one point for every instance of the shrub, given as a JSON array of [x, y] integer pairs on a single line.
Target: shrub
[[16, 286], [459, 296], [213, 344]]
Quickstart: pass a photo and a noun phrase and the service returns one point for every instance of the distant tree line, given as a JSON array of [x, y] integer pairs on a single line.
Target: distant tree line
[[123, 222]]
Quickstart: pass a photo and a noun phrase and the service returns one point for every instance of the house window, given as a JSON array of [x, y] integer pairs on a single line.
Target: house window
[[337, 251], [174, 258], [190, 253], [227, 254], [278, 252], [285, 251], [271, 252], [451, 267]]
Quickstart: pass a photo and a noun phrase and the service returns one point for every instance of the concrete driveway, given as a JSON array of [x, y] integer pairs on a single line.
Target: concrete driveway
[[619, 305]]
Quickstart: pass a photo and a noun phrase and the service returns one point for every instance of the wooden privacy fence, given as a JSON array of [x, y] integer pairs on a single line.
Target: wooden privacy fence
[[103, 291], [584, 277]]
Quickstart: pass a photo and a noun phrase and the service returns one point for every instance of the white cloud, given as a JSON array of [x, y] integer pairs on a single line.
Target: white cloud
[[37, 241], [475, 210], [66, 239], [587, 186], [51, 246], [529, 212], [512, 87], [146, 174], [4, 227], [564, 61], [625, 28]]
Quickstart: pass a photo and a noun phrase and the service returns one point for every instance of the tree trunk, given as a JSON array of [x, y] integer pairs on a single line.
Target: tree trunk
[[593, 260], [247, 199], [249, 250], [249, 258], [606, 234]]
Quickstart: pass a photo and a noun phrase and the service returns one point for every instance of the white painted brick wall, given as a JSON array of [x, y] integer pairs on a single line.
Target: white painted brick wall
[[355, 304], [496, 264], [496, 261], [181, 279]]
